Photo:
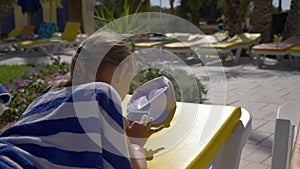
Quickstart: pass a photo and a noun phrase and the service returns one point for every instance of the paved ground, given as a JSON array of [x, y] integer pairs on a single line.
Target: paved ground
[[260, 91]]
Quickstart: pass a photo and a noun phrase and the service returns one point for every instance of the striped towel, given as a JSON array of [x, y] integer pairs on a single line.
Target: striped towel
[[68, 128]]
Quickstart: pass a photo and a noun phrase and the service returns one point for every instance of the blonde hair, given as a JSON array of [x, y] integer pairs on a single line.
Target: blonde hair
[[101, 50]]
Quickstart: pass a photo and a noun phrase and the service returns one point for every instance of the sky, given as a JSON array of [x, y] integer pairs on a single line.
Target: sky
[[166, 3]]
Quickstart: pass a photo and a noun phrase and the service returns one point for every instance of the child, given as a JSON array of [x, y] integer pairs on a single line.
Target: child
[[78, 123]]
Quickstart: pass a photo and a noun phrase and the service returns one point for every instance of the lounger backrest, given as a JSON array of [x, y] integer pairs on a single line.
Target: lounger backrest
[[294, 40], [15, 32], [70, 32]]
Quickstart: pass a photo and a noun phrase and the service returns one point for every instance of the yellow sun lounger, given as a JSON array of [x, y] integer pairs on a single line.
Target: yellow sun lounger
[[278, 49], [141, 45], [149, 40], [186, 46], [195, 42], [15, 32], [199, 136], [295, 51], [15, 37], [54, 45], [237, 42]]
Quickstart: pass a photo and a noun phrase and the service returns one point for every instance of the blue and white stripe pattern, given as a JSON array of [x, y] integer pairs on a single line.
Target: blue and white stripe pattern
[[4, 95], [68, 128]]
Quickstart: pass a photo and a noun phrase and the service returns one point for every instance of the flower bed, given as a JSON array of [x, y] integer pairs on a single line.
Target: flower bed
[[29, 86]]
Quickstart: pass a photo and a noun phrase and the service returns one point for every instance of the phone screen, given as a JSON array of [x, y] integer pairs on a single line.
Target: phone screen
[[137, 116]]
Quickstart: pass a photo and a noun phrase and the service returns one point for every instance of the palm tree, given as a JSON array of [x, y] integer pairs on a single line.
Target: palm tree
[[292, 25], [279, 5], [262, 18], [234, 12], [183, 8], [7, 4], [172, 6], [195, 6], [75, 12]]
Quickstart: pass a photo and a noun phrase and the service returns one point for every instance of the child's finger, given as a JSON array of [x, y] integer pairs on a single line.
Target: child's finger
[[143, 119], [155, 130], [149, 124]]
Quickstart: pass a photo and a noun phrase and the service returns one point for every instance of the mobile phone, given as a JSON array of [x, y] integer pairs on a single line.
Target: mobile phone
[[137, 116]]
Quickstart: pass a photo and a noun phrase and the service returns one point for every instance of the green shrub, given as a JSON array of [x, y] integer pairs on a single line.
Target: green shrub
[[187, 91], [30, 85]]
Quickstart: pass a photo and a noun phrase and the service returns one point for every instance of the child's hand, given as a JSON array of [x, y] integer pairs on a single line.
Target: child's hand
[[139, 132]]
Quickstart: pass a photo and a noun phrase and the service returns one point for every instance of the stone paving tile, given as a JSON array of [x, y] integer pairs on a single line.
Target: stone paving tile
[[248, 149], [268, 142], [259, 114], [243, 164], [271, 116], [256, 166], [259, 155], [268, 161], [267, 127], [269, 108], [252, 108], [293, 95], [256, 123], [261, 95], [15, 59], [258, 137], [274, 100]]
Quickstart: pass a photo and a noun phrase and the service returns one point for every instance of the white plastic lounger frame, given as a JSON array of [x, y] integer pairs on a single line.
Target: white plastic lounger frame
[[293, 58], [261, 56], [229, 155], [287, 119]]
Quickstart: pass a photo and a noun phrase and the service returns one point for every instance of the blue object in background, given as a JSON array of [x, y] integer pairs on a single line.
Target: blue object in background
[[4, 95], [36, 19], [6, 22], [47, 29], [62, 15], [29, 6]]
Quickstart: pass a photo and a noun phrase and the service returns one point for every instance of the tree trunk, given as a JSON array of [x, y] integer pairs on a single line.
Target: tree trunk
[[279, 5], [172, 6], [262, 19], [195, 18], [292, 25], [75, 12], [183, 8], [235, 18]]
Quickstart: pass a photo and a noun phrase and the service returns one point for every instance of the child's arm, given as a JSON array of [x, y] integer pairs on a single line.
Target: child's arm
[[137, 157], [138, 133]]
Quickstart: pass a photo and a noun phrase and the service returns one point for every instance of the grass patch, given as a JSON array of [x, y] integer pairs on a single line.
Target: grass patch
[[9, 72]]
